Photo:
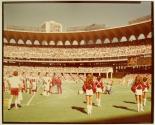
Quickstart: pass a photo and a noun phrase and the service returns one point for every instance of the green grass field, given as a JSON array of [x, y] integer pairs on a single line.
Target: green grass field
[[119, 107]]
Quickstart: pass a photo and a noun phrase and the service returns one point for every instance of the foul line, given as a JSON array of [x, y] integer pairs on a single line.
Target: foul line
[[28, 103]]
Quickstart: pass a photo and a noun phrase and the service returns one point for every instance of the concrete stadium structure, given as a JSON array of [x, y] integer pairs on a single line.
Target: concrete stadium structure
[[134, 35]]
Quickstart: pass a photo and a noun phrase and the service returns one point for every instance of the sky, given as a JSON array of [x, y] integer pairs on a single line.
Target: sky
[[74, 14]]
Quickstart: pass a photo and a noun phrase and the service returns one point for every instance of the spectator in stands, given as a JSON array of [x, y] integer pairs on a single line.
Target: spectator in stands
[[71, 53], [89, 89]]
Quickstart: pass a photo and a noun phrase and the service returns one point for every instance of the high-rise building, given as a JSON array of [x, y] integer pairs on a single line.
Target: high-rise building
[[51, 26]]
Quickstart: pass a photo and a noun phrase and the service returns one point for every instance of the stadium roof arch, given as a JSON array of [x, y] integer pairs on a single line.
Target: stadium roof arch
[[102, 34]]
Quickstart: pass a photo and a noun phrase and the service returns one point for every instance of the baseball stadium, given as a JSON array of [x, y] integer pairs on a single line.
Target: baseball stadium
[[117, 55]]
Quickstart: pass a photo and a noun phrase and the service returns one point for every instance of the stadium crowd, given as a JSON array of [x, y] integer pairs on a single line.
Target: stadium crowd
[[71, 53], [58, 69]]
